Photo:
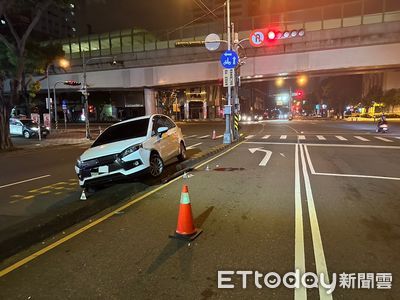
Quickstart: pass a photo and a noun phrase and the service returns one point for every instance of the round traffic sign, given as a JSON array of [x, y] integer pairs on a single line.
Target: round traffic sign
[[257, 38], [229, 59], [212, 41]]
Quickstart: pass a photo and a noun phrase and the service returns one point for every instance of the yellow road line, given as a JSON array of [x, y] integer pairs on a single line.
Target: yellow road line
[[28, 197], [99, 220]]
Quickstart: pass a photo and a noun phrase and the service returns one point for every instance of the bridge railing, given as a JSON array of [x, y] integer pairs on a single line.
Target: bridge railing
[[343, 15]]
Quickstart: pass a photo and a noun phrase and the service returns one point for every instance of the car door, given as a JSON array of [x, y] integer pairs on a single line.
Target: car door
[[12, 127], [17, 127], [172, 137], [159, 143]]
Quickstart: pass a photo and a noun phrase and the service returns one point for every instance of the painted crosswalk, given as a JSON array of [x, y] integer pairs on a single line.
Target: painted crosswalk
[[339, 137], [307, 138], [361, 138], [383, 139]]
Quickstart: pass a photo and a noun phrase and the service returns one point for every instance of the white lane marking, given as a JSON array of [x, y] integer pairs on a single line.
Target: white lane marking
[[321, 138], [397, 137], [204, 136], [309, 160], [190, 136], [23, 181], [249, 136], [192, 146], [266, 137], [301, 137], [292, 128], [383, 139], [361, 138], [310, 165], [299, 256], [283, 137], [219, 136], [339, 137], [358, 176], [328, 145], [266, 158], [320, 262]]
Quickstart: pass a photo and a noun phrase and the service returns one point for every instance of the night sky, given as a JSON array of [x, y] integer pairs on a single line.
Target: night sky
[[154, 15]]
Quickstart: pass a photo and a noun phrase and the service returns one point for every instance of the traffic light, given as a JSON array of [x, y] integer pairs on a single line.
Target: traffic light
[[299, 94], [72, 83]]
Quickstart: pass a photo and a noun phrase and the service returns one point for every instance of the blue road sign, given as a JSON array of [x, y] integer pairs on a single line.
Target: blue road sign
[[64, 104], [229, 59]]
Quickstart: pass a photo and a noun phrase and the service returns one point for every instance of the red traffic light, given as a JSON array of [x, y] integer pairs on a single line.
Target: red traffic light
[[299, 93], [271, 35], [72, 82]]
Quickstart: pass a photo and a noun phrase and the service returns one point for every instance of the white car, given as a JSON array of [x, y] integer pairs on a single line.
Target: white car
[[129, 148]]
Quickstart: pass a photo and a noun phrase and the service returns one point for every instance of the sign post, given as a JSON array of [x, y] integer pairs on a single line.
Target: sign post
[[36, 118]]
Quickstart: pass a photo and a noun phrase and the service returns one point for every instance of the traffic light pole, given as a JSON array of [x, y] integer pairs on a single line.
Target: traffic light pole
[[85, 97], [228, 108]]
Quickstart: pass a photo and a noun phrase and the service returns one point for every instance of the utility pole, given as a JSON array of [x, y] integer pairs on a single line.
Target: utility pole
[[228, 108]]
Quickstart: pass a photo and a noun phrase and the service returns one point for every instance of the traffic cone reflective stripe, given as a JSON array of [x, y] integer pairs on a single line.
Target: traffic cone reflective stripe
[[185, 228], [214, 135]]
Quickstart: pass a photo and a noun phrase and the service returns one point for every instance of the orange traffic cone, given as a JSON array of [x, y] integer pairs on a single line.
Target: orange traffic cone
[[214, 136], [185, 229]]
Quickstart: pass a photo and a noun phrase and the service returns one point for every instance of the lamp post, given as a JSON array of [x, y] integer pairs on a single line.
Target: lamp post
[[63, 63], [84, 88]]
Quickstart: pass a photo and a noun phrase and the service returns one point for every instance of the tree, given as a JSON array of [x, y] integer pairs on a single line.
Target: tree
[[13, 60], [391, 98], [374, 94]]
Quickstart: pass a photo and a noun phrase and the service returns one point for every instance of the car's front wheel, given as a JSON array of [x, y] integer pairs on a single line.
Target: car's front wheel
[[156, 165], [27, 135], [182, 152]]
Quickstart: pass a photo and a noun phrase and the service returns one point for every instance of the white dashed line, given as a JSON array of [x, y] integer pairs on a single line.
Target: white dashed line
[[265, 137], [383, 139], [192, 146], [321, 138], [339, 137], [219, 136], [204, 136], [361, 138], [190, 136], [283, 137], [249, 136], [301, 137]]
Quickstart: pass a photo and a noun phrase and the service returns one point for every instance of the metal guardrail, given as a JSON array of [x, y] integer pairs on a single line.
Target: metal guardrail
[[356, 13]]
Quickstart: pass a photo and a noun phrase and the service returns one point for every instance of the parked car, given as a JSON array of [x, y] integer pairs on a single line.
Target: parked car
[[129, 148], [27, 128]]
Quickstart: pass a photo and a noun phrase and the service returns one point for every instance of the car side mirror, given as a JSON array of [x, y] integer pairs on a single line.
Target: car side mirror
[[162, 130]]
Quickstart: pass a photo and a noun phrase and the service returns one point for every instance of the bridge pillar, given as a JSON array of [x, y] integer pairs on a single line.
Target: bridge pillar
[[150, 101], [205, 109]]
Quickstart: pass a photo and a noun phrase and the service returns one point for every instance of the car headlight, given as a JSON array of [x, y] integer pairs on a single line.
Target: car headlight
[[79, 163], [34, 128], [260, 118], [130, 150]]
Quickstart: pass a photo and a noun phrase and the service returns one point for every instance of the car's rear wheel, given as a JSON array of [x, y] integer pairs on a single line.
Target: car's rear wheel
[[182, 152], [156, 165], [27, 135]]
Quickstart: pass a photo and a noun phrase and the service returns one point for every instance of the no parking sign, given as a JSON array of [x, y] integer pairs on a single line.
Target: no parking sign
[[257, 38]]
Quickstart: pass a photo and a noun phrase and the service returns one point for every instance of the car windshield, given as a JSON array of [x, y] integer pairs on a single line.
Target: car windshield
[[28, 123], [123, 131]]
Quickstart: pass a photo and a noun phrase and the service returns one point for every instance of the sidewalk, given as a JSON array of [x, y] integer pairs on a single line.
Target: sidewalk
[[56, 138]]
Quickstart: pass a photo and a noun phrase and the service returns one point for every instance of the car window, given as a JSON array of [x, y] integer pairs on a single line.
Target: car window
[[168, 123], [123, 131]]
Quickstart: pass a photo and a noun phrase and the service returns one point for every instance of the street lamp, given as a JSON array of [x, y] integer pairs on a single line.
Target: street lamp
[[63, 63], [84, 87]]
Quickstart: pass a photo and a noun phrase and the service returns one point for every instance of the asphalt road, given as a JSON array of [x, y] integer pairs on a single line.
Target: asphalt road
[[317, 196]]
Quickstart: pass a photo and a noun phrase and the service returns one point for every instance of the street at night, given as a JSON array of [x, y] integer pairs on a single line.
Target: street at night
[[200, 149], [325, 201]]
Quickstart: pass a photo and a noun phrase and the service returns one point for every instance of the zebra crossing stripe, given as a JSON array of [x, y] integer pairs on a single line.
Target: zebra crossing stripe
[[265, 137], [383, 139], [204, 136], [219, 136], [339, 137], [283, 137], [361, 138], [249, 136], [301, 137], [321, 137]]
